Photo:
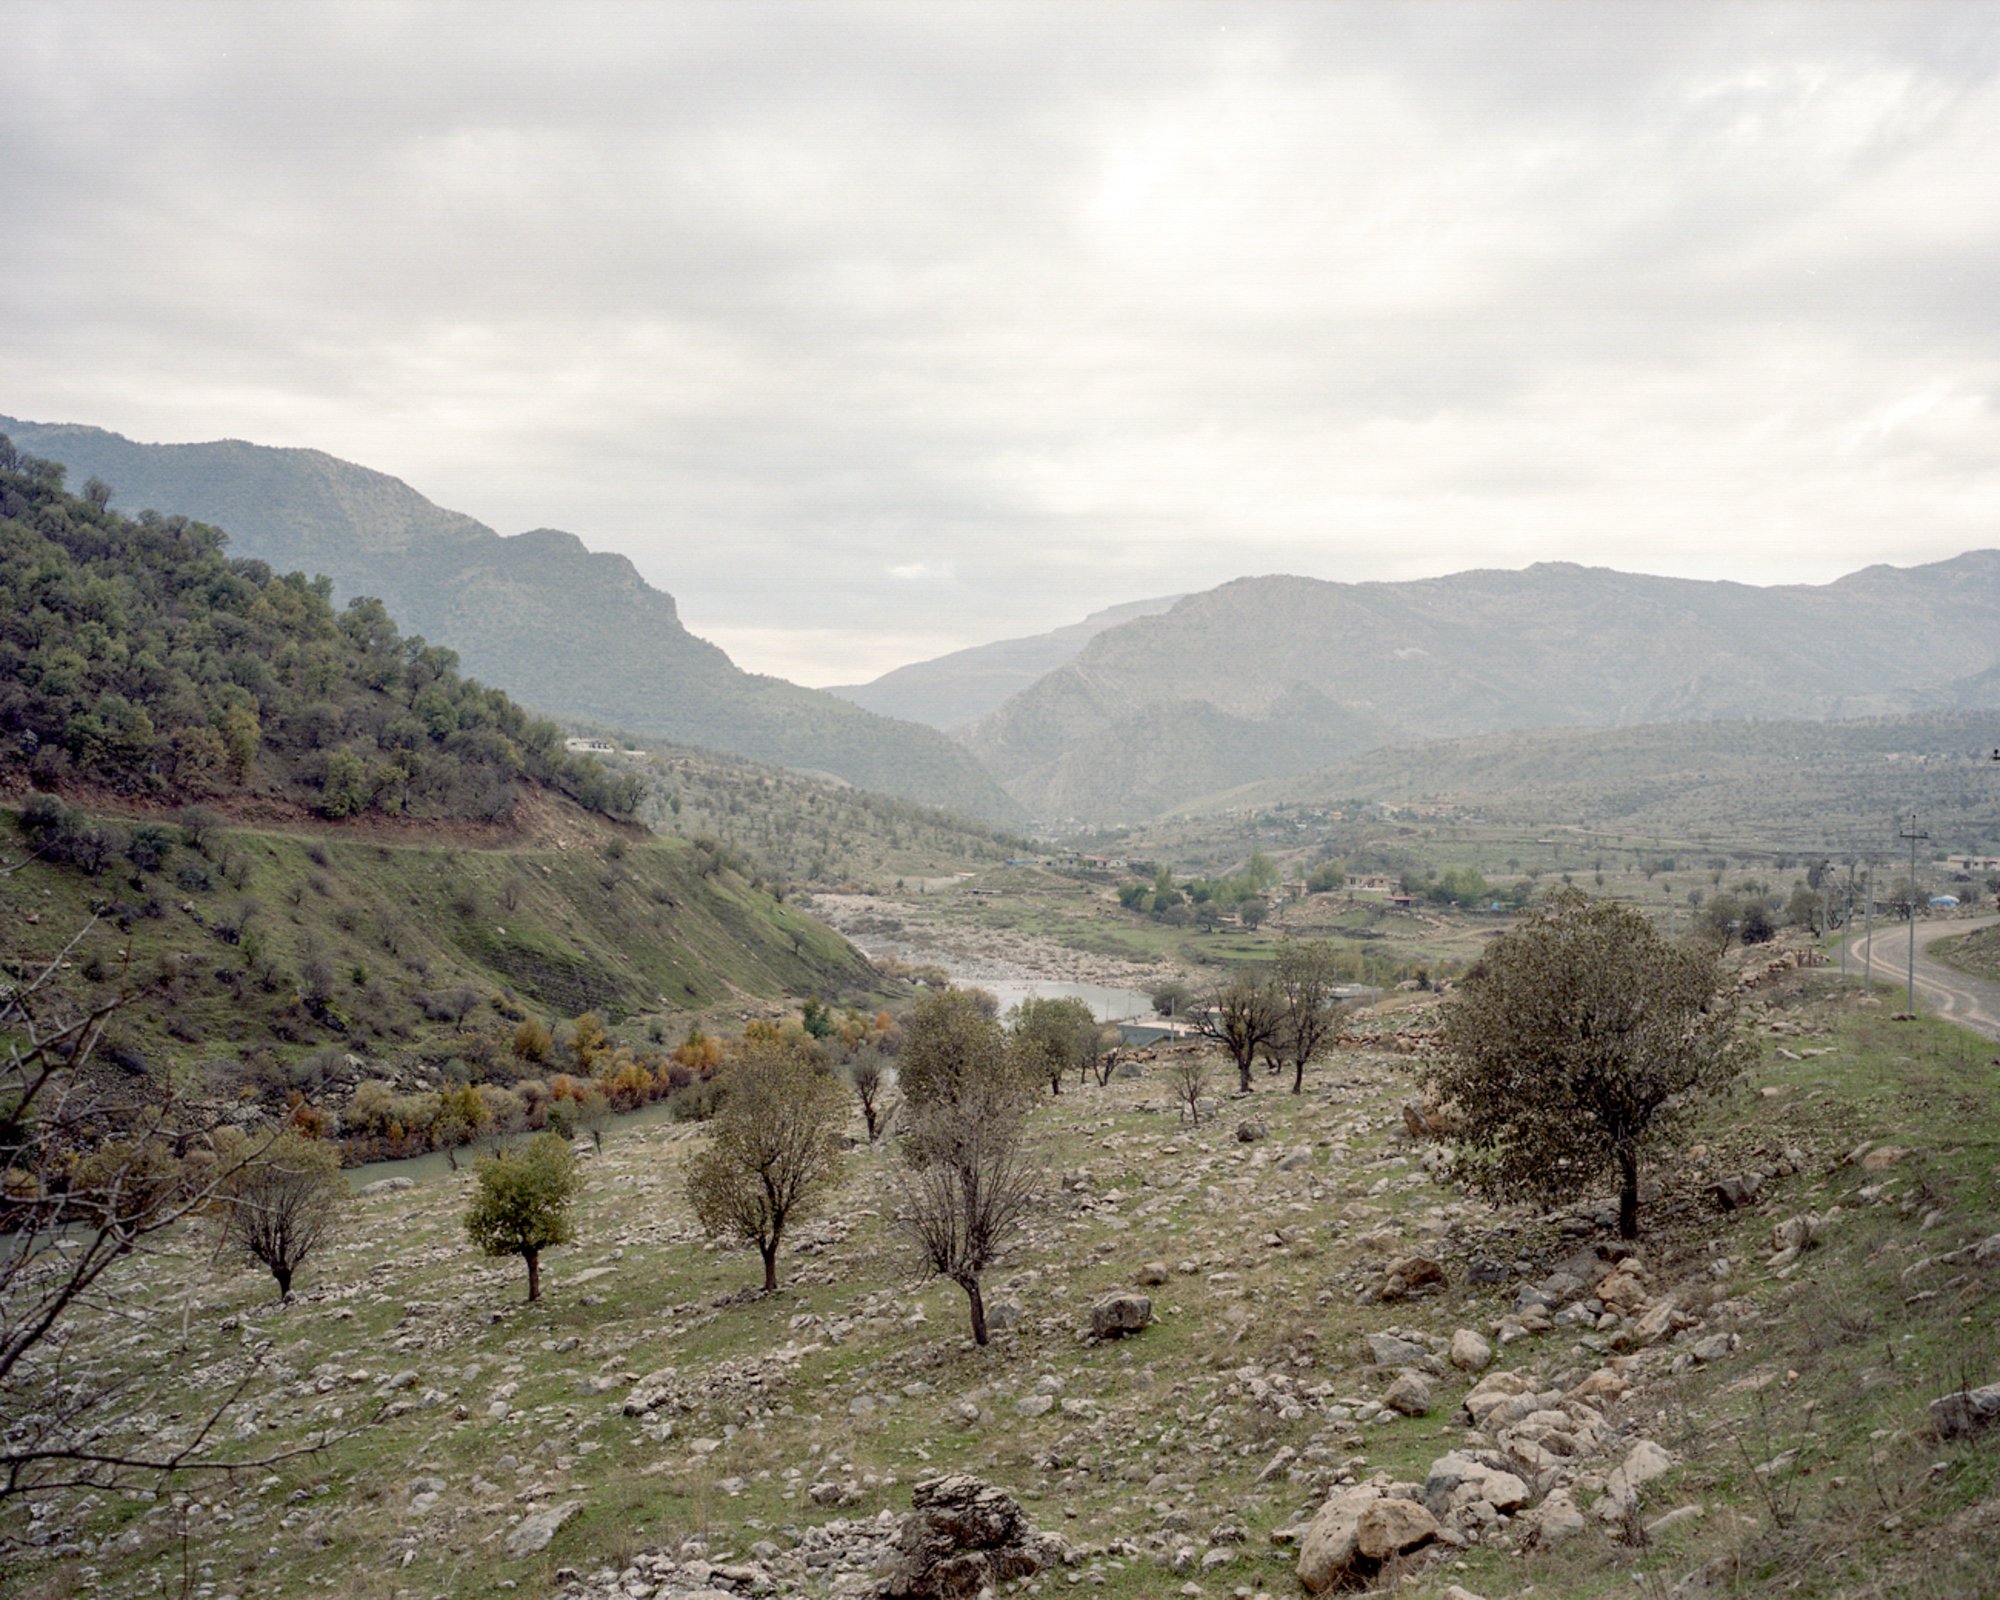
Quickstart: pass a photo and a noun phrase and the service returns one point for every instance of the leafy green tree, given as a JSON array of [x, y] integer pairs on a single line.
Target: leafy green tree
[[522, 1203], [284, 1202], [1171, 998], [1581, 1041], [1053, 1038], [951, 1044], [773, 1150]]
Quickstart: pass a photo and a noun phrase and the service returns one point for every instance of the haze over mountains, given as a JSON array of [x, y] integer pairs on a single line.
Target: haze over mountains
[[1272, 676], [953, 690], [571, 631], [1139, 708]]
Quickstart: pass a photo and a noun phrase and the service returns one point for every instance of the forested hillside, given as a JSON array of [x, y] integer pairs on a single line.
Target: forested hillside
[[570, 631], [138, 659]]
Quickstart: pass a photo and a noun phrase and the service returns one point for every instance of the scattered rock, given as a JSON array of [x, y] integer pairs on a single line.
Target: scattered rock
[[1469, 1352], [1119, 1314], [1460, 1479], [964, 1536], [1732, 1194], [1389, 1527], [1965, 1411], [1333, 1538], [1392, 1350], [533, 1533], [387, 1186], [1408, 1275], [1557, 1518], [1646, 1462], [1410, 1394]]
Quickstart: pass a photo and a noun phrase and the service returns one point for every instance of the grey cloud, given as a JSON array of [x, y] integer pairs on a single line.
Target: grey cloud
[[1072, 302]]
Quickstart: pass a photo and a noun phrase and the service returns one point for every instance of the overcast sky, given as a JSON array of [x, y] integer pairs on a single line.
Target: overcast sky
[[870, 331]]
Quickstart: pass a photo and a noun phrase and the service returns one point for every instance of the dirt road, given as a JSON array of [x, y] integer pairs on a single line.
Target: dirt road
[[1957, 996]]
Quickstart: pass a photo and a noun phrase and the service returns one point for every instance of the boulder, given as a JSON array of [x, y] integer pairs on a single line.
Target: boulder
[[1332, 1541], [1459, 1479], [533, 1533], [961, 1537], [1392, 1350], [1733, 1193], [1641, 1466], [1882, 1157], [1965, 1411], [387, 1186], [1119, 1314], [1469, 1351], [1410, 1394], [1152, 1274], [1488, 1394], [1408, 1275], [1557, 1518], [1250, 1130], [1389, 1527]]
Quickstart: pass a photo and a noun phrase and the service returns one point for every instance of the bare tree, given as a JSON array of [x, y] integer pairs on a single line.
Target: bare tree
[[284, 1203], [1243, 1016], [969, 1182], [1305, 977], [868, 1077], [773, 1150], [1189, 1077], [101, 1167]]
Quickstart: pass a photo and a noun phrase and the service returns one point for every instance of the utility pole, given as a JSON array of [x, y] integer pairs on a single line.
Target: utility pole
[[1913, 834], [1868, 938]]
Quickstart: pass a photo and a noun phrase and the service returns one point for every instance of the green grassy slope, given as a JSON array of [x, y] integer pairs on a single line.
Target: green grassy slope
[[1803, 1444], [276, 944]]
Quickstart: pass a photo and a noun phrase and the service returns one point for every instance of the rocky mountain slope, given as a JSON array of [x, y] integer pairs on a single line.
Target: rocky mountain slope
[[961, 687], [571, 631], [1275, 675], [1748, 1395]]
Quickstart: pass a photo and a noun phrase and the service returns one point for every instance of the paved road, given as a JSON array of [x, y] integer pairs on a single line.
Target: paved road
[[1956, 996]]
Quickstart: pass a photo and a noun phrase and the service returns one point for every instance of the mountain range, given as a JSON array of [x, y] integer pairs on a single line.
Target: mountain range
[[571, 631], [953, 690], [1272, 676]]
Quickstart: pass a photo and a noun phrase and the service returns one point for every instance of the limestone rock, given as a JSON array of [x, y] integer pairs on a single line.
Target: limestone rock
[[1119, 1314], [1459, 1479], [1965, 1411], [1333, 1538], [1470, 1352], [1646, 1462], [1409, 1275], [1410, 1394], [963, 1536], [533, 1533], [1391, 1350], [1733, 1193], [1558, 1518], [1389, 1527]]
